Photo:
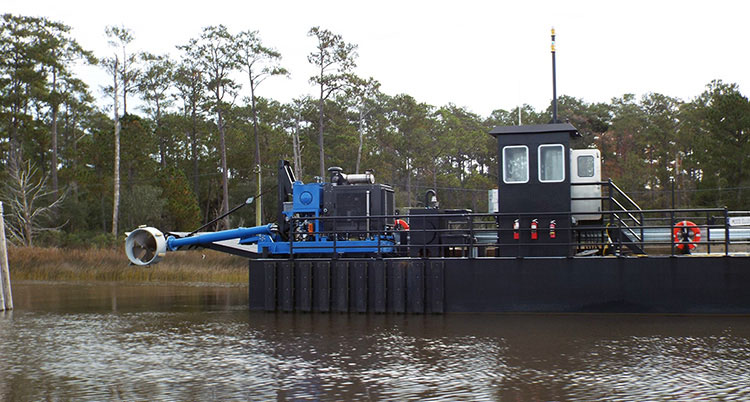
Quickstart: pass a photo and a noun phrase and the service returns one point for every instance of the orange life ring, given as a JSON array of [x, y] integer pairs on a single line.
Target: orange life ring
[[402, 223], [686, 233]]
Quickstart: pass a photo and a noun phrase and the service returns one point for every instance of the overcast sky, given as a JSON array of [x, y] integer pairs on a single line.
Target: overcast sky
[[480, 55]]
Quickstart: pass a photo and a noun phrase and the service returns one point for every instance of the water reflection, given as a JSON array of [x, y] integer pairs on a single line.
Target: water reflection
[[94, 342]]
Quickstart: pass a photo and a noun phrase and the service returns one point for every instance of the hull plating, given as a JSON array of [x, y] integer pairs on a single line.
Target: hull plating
[[684, 285]]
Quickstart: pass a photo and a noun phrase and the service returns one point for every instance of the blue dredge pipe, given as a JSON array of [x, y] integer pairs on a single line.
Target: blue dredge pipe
[[147, 245], [246, 236]]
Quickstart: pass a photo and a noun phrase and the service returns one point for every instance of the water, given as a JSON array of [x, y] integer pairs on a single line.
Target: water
[[125, 342]]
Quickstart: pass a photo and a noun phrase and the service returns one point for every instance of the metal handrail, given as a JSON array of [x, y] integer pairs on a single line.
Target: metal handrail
[[614, 201], [622, 193], [630, 215], [637, 237], [482, 230]]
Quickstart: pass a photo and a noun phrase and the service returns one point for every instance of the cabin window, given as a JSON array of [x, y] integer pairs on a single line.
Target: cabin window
[[585, 166], [551, 163], [516, 164]]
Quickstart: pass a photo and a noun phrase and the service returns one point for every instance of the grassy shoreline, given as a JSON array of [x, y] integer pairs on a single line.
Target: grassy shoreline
[[59, 264]]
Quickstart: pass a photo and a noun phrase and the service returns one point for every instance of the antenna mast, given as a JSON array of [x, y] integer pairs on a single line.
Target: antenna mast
[[554, 81]]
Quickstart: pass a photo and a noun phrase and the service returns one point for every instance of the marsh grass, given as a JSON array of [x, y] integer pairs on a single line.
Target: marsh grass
[[59, 264]]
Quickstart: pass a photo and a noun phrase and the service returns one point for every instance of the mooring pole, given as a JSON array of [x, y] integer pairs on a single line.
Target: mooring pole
[[6, 293], [2, 266], [554, 81]]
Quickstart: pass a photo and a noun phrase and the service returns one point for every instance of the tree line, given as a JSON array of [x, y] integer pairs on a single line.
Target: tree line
[[75, 171]]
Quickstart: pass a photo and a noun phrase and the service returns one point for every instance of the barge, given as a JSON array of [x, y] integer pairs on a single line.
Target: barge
[[560, 240]]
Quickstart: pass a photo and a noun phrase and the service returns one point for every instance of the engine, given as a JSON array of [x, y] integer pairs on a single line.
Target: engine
[[348, 214]]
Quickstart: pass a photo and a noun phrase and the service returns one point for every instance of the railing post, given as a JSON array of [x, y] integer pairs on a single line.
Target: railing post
[[379, 252], [6, 295], [335, 238], [611, 204], [709, 223], [571, 241], [671, 231], [726, 232], [291, 237], [424, 235], [471, 236], [520, 236], [643, 240], [619, 237]]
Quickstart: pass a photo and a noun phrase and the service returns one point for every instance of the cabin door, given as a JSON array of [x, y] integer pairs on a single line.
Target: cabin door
[[585, 167]]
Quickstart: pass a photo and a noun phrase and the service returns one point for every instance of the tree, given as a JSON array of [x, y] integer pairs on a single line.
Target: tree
[[404, 139], [124, 76], [363, 94], [294, 123], [591, 119], [661, 148], [36, 56], [190, 87], [181, 203], [77, 108], [154, 84], [20, 79], [334, 59], [112, 65], [144, 204], [622, 145], [216, 53], [56, 52], [260, 62], [457, 141], [724, 114], [29, 200], [528, 115], [97, 149], [688, 163], [137, 145], [120, 37]]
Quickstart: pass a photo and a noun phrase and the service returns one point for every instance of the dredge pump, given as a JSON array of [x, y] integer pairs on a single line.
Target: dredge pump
[[348, 215]]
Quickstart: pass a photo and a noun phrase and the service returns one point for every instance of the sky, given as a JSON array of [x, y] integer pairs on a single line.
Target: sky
[[482, 55]]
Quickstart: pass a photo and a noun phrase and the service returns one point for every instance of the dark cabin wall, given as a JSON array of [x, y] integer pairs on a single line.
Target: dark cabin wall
[[534, 199]]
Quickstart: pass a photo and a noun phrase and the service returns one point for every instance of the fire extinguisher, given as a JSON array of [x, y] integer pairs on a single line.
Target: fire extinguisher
[[552, 227], [534, 225], [516, 226]]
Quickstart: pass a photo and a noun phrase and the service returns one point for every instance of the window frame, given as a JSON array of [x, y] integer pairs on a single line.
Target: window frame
[[539, 162], [593, 166], [528, 163]]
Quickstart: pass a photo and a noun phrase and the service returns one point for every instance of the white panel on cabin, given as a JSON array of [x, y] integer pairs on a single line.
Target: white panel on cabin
[[492, 204], [586, 167]]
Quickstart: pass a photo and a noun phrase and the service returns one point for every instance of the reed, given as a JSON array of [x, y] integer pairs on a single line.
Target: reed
[[59, 264]]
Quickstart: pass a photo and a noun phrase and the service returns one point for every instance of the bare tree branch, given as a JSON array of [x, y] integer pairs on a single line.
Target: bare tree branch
[[31, 204]]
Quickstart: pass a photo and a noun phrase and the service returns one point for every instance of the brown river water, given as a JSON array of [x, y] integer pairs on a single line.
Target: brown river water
[[165, 342]]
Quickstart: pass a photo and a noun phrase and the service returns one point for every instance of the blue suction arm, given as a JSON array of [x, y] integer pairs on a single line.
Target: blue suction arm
[[173, 243]]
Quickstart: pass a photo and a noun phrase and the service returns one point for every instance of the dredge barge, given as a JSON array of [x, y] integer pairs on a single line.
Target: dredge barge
[[560, 240]]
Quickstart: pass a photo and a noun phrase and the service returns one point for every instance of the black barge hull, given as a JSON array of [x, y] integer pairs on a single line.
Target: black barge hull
[[681, 285]]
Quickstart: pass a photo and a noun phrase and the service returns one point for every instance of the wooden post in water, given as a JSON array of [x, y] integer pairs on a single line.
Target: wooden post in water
[[6, 296], [2, 265]]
